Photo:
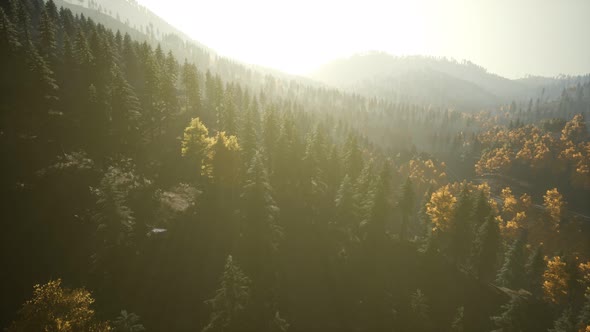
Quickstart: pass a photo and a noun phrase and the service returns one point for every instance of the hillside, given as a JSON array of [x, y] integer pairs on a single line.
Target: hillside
[[438, 81], [144, 191]]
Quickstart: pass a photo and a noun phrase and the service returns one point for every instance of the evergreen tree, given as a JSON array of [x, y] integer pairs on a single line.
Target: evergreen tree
[[513, 316], [458, 325], [344, 203], [230, 304], [47, 36], [461, 229], [512, 272], [486, 247], [406, 205], [481, 210], [564, 323], [420, 314], [260, 230], [353, 159], [249, 133], [190, 81], [535, 268]]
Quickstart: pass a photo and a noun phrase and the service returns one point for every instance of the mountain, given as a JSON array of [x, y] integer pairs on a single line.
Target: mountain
[[440, 81]]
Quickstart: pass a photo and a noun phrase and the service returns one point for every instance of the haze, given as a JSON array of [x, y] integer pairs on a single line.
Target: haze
[[510, 38]]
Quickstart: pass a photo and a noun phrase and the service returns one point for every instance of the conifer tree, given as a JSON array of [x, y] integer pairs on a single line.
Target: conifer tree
[[47, 36], [420, 314], [564, 323], [486, 247], [190, 81], [353, 159], [230, 304], [461, 228], [535, 268], [512, 317], [344, 203], [458, 325], [512, 273], [406, 206], [249, 133]]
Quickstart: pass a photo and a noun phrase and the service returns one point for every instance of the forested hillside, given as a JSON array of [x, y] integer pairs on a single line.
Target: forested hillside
[[141, 192], [460, 85]]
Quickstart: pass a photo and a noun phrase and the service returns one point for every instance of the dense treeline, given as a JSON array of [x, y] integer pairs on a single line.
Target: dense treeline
[[186, 202]]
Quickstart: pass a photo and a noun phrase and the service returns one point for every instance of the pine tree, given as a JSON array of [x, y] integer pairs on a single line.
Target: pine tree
[[230, 303], [564, 323], [270, 135], [125, 111], [128, 322], [584, 315], [47, 36], [379, 208], [458, 325], [249, 133], [535, 268], [344, 203], [353, 159], [513, 316], [190, 81], [481, 210], [461, 229], [512, 274], [406, 206], [261, 231], [486, 247], [420, 314]]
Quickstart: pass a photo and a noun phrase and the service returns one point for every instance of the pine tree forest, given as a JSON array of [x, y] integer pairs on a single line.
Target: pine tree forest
[[143, 190]]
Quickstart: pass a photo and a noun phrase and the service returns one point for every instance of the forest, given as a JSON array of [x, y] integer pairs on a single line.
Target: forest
[[141, 192]]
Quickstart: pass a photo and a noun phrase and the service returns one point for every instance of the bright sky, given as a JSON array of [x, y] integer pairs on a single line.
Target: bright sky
[[509, 37]]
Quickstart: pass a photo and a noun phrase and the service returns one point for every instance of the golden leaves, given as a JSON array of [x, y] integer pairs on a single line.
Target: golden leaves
[[440, 208], [494, 161], [555, 280], [555, 205], [54, 308]]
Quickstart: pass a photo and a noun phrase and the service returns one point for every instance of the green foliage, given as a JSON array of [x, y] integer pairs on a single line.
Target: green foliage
[[127, 322], [230, 303], [420, 311], [564, 323], [458, 325], [512, 272], [512, 317], [486, 248]]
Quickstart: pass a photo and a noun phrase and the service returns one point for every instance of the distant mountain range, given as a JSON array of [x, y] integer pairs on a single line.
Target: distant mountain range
[[422, 80], [439, 81]]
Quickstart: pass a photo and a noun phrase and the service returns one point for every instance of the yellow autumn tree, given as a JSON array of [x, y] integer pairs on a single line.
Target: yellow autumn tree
[[511, 227], [555, 280], [196, 143], [425, 173], [223, 159], [510, 202], [555, 206], [494, 161], [585, 273], [57, 309], [575, 130], [440, 208]]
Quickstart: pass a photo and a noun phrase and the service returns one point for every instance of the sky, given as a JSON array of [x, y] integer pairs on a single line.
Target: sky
[[512, 38]]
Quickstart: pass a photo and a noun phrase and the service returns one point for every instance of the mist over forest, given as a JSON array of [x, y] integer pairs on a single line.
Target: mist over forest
[[150, 183]]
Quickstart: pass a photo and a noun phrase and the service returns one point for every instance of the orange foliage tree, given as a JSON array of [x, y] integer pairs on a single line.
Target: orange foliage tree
[[57, 309]]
